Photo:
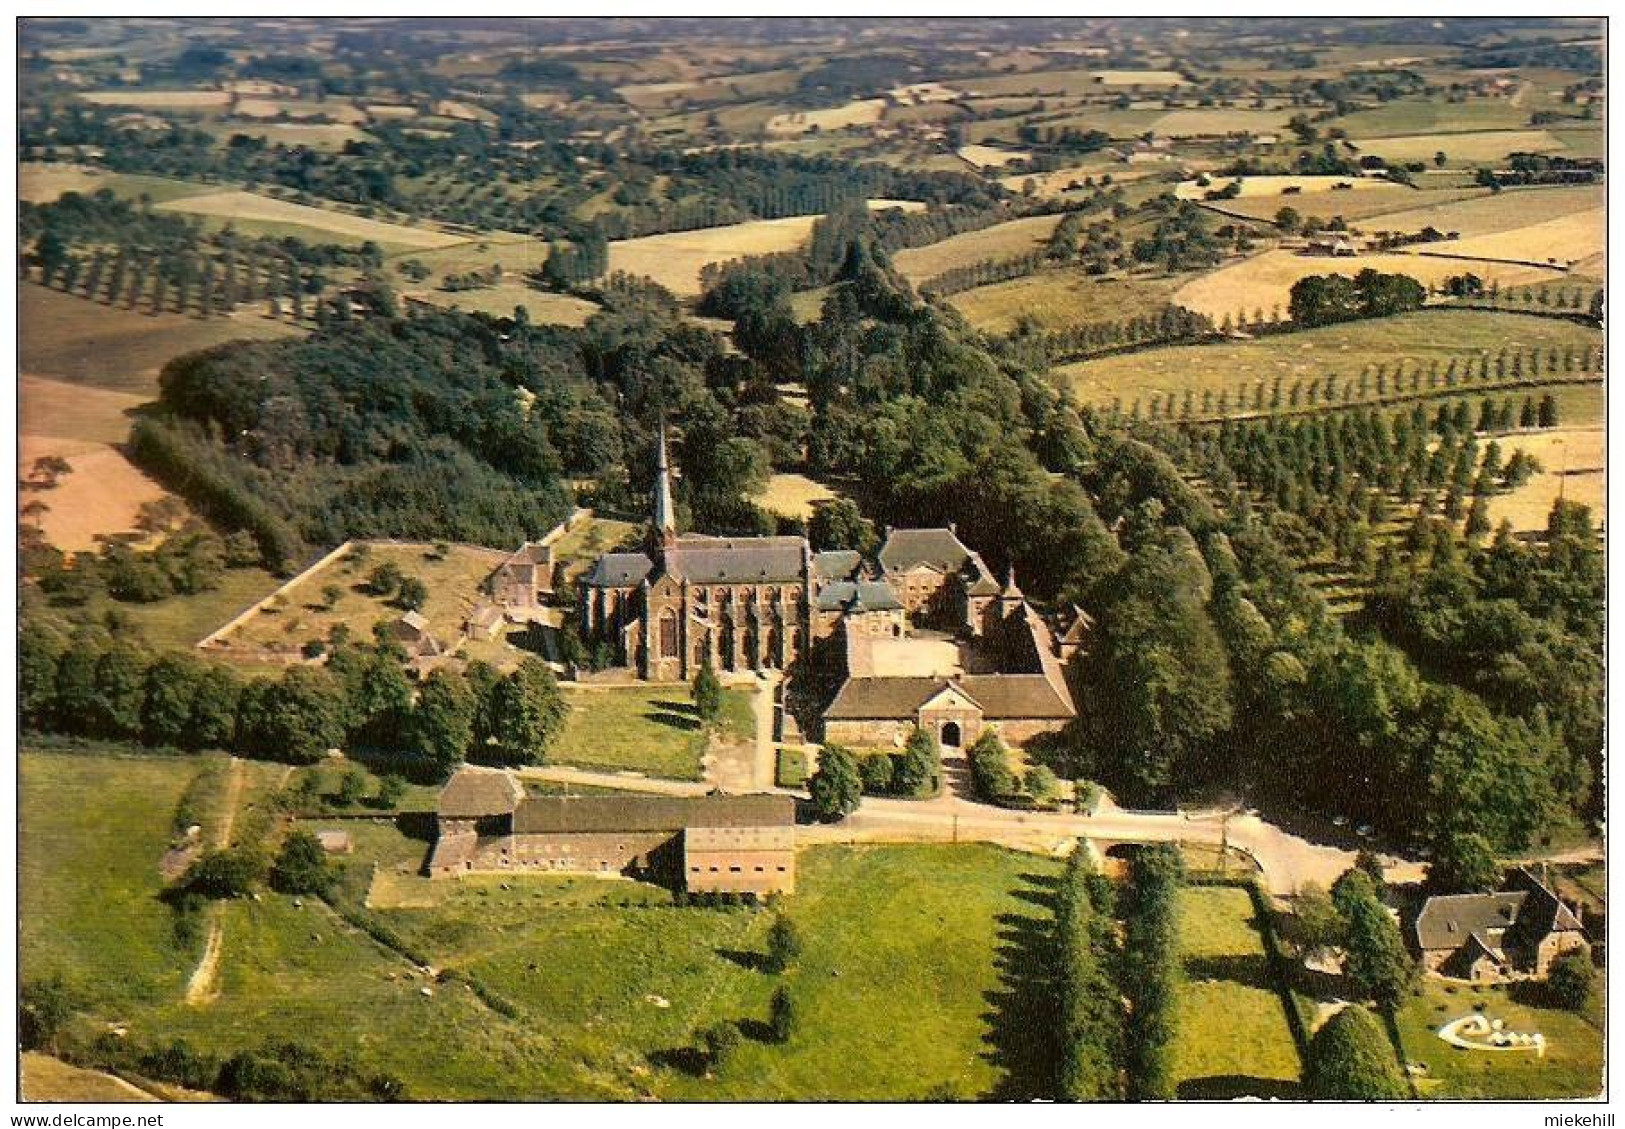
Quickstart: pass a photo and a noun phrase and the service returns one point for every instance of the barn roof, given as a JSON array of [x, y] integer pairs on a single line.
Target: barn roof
[[473, 792], [882, 699], [1012, 696]]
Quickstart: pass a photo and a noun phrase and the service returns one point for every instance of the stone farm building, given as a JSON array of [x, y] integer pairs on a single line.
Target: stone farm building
[[1516, 932], [923, 633], [703, 844]]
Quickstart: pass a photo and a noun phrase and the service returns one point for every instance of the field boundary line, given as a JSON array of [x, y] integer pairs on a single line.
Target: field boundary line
[[219, 634]]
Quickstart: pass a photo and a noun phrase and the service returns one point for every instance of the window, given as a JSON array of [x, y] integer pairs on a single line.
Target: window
[[735, 869], [668, 634]]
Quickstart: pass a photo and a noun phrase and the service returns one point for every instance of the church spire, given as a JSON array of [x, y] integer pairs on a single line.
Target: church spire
[[663, 520]]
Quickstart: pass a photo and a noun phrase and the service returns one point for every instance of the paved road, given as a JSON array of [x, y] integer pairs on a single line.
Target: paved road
[[1288, 861], [629, 782]]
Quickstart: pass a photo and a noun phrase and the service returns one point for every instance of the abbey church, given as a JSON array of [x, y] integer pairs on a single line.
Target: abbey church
[[926, 634]]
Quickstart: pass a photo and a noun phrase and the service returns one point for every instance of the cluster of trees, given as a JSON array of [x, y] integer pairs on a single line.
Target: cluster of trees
[[123, 252], [1091, 1037], [1326, 299], [298, 441], [1169, 326], [91, 685], [189, 560], [993, 780], [1182, 239], [1151, 971]]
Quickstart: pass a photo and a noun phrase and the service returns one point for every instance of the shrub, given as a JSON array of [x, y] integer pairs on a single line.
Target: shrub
[[301, 866], [1570, 980], [1350, 1059], [782, 1015], [719, 1042], [783, 944], [228, 873]]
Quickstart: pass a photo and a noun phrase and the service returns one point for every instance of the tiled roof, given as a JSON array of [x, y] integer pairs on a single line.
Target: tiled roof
[[882, 699], [473, 792], [858, 596], [619, 570], [1012, 696], [938, 548], [737, 560], [836, 564], [1446, 922], [544, 814]]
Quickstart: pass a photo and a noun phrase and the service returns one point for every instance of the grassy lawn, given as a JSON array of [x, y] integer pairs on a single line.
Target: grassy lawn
[[1571, 1068], [649, 729], [1418, 338], [906, 954], [1233, 1039], [180, 621], [791, 770], [93, 829], [899, 966]]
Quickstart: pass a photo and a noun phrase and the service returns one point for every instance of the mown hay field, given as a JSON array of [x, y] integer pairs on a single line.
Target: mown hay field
[[863, 111], [159, 99], [675, 258], [1412, 116], [1055, 299], [1204, 123], [1001, 241], [1462, 148], [1573, 463], [248, 210], [1274, 186], [1502, 211], [1264, 281], [1344, 350], [988, 157], [544, 308], [1372, 206], [1562, 241], [41, 182]]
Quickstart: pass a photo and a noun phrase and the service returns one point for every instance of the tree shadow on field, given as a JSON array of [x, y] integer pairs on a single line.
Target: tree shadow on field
[[1249, 969], [677, 715], [688, 1060], [1022, 1011], [1229, 1087], [744, 958]]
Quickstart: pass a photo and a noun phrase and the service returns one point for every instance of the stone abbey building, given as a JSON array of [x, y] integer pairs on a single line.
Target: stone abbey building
[[924, 632]]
